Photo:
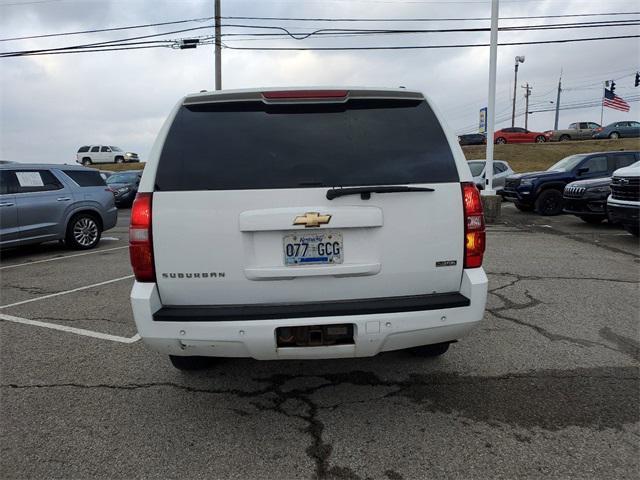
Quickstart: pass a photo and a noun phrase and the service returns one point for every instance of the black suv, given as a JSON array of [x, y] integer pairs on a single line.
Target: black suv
[[542, 191], [124, 186], [587, 199]]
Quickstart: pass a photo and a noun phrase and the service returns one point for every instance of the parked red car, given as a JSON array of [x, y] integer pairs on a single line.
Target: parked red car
[[518, 135]]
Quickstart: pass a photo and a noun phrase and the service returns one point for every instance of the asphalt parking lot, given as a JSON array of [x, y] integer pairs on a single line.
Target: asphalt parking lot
[[547, 387]]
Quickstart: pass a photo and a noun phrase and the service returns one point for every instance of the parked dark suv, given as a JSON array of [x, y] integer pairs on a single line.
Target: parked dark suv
[[124, 186], [542, 191], [587, 199]]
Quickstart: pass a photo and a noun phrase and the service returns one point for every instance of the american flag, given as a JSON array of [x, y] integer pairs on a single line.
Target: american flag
[[612, 100]]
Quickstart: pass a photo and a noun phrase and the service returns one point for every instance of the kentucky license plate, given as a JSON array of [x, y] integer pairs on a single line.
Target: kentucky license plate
[[312, 248]]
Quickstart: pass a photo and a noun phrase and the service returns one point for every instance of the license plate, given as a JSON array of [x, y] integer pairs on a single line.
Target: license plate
[[312, 248]]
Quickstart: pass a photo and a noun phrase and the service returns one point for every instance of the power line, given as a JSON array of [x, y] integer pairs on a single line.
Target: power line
[[323, 31], [421, 47], [458, 19], [204, 19], [114, 29]]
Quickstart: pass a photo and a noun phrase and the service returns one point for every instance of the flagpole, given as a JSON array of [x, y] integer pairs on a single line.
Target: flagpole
[[602, 106]]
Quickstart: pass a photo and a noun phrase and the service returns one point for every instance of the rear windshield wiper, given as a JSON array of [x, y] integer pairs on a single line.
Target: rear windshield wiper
[[365, 192]]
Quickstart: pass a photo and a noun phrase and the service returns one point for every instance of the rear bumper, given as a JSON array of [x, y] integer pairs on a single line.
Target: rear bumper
[[110, 219], [255, 337]]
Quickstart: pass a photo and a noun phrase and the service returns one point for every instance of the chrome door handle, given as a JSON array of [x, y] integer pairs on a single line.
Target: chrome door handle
[[7, 204], [63, 199]]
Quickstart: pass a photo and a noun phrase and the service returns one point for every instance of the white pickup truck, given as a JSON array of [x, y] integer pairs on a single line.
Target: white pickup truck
[[623, 205], [299, 224]]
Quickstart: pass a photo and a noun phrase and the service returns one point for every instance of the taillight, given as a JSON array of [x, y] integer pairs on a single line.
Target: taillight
[[304, 94], [140, 239], [474, 235]]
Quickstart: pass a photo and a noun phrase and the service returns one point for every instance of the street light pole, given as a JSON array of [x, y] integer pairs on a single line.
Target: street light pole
[[491, 105], [515, 91], [218, 46]]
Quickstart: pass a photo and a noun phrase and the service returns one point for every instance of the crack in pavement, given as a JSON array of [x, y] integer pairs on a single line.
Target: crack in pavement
[[595, 398], [29, 290], [628, 345], [510, 305], [92, 319], [553, 277]]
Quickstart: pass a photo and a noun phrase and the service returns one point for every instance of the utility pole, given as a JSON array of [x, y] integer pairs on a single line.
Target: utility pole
[[491, 105], [606, 84], [218, 46], [515, 90], [555, 123], [526, 108]]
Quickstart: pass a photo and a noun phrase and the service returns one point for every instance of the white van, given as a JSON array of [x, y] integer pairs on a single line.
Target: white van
[[291, 224]]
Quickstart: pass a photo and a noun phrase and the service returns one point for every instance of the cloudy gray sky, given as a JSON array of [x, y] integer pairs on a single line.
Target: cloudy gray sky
[[50, 105]]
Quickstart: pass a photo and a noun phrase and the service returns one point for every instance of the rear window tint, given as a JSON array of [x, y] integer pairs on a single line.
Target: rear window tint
[[252, 145], [83, 149], [85, 179]]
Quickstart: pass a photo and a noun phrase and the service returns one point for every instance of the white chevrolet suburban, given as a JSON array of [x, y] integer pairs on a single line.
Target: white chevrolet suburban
[[90, 154], [305, 224]]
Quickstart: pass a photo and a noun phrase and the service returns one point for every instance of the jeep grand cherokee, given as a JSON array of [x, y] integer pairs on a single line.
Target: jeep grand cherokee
[[305, 224]]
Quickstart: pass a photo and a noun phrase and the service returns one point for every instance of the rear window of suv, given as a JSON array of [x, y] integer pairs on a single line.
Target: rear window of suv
[[253, 145], [85, 179]]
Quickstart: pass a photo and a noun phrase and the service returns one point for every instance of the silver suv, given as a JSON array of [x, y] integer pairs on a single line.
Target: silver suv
[[89, 154], [40, 203]]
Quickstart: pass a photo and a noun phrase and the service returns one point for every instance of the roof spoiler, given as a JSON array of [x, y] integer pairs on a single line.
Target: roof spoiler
[[300, 96]]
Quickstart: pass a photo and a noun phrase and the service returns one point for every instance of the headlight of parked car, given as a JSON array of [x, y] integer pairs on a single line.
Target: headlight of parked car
[[123, 189], [128, 154], [603, 189], [527, 182]]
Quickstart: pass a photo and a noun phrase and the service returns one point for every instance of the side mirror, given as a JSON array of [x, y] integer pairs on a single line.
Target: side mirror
[[583, 170]]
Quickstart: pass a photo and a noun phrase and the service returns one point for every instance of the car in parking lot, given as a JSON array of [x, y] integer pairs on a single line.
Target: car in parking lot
[[518, 135], [249, 249], [43, 202], [587, 199], [624, 202], [543, 191], [124, 186], [501, 170], [626, 129], [575, 131], [90, 154], [472, 139]]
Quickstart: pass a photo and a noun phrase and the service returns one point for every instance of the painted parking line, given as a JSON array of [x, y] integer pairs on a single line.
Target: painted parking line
[[61, 258], [44, 297], [76, 331]]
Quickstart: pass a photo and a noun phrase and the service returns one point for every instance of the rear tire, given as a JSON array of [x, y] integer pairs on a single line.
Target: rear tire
[[523, 207], [592, 220], [501, 140], [83, 231], [540, 139], [549, 202], [565, 138], [86, 161], [434, 350], [190, 363]]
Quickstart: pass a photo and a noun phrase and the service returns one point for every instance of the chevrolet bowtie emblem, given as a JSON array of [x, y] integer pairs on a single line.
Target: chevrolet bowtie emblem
[[312, 219]]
